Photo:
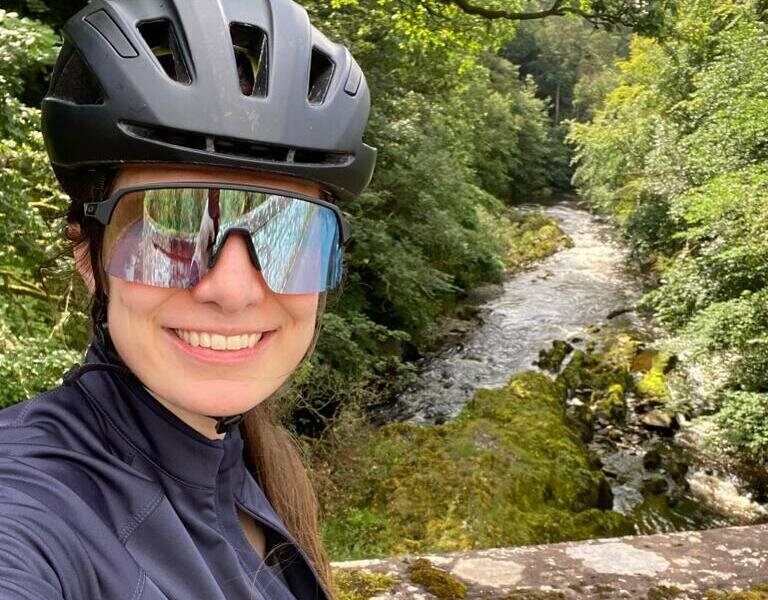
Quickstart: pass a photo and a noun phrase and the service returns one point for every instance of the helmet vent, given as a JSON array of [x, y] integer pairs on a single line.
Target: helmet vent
[[320, 75], [73, 79], [251, 58], [162, 40], [234, 147]]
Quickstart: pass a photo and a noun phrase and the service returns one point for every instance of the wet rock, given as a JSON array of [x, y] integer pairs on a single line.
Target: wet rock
[[550, 360], [460, 326], [653, 384], [646, 406], [652, 459], [612, 405], [484, 293], [658, 420], [618, 311], [625, 498], [466, 312], [580, 419], [593, 328], [677, 470], [655, 485], [643, 360]]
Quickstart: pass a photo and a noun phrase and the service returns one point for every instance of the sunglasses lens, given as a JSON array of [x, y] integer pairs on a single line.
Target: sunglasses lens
[[170, 237]]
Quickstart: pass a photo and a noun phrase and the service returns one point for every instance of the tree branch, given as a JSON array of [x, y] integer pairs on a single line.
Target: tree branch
[[558, 8], [25, 288], [487, 13]]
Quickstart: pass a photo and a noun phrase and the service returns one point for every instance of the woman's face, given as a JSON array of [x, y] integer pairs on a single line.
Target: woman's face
[[148, 324]]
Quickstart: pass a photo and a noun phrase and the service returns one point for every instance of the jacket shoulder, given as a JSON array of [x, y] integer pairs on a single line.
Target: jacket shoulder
[[60, 417]]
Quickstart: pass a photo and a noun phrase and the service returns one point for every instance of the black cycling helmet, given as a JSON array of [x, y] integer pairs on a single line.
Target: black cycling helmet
[[233, 83]]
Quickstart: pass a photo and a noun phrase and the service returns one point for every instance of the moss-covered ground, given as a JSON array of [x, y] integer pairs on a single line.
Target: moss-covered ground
[[509, 470], [359, 584]]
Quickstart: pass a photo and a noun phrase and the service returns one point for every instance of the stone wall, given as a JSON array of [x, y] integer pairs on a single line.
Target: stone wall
[[691, 565]]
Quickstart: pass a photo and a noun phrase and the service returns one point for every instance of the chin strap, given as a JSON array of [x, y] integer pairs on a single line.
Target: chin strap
[[223, 424]]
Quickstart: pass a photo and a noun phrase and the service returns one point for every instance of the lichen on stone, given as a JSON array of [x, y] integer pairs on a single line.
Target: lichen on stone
[[436, 581], [757, 592], [361, 584], [664, 592]]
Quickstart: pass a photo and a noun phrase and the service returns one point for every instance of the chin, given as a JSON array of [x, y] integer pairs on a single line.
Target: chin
[[220, 398]]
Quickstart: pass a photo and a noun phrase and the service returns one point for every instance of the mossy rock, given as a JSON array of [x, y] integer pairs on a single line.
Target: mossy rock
[[664, 592], [437, 582], [593, 371], [508, 470], [535, 237], [757, 592], [612, 405], [653, 383], [360, 584], [551, 359]]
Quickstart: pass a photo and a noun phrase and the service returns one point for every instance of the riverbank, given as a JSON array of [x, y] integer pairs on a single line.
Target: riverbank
[[582, 452], [584, 447]]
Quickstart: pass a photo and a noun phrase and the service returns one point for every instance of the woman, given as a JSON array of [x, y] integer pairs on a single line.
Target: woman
[[204, 144]]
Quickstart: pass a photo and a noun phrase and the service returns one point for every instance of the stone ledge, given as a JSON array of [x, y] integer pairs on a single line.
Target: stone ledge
[[676, 565]]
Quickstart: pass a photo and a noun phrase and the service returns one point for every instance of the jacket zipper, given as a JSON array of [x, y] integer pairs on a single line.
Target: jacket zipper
[[290, 539]]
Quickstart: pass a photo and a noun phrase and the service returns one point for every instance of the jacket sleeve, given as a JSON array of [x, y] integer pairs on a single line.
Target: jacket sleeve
[[28, 549]]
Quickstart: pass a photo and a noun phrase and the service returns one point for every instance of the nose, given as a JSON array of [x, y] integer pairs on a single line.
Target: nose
[[234, 283]]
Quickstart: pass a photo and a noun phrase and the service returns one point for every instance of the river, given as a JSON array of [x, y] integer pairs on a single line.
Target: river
[[556, 299], [561, 297]]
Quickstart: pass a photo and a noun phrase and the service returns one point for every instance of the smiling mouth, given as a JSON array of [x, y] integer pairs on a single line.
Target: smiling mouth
[[217, 341]]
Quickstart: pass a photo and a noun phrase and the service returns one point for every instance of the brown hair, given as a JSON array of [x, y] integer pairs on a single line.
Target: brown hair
[[272, 453]]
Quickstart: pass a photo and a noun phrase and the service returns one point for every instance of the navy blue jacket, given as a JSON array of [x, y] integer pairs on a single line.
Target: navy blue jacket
[[106, 495]]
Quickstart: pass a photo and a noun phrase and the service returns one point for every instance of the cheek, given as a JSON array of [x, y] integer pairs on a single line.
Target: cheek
[[302, 308], [134, 302]]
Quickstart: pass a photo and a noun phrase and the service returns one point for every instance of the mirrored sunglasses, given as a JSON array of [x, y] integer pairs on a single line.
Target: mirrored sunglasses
[[170, 235]]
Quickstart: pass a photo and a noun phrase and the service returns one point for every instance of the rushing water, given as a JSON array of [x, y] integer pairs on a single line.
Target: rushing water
[[556, 299]]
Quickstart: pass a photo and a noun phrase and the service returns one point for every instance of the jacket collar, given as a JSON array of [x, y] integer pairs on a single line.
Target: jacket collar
[[151, 428]]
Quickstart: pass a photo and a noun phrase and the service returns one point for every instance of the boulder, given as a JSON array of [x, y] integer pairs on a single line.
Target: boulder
[[658, 419]]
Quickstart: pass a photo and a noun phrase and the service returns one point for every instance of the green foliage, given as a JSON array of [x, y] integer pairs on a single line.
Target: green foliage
[[429, 227], [732, 335], [742, 417], [34, 351], [678, 153]]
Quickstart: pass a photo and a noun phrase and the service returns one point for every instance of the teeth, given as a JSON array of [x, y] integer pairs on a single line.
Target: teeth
[[216, 341]]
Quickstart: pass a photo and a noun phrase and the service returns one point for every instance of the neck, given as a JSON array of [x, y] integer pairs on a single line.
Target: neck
[[200, 423]]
